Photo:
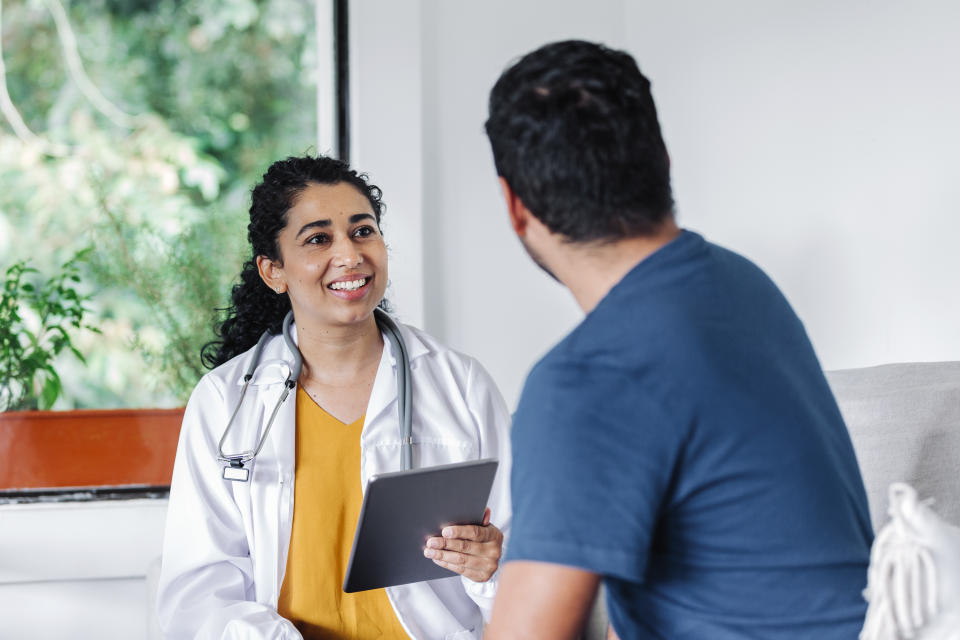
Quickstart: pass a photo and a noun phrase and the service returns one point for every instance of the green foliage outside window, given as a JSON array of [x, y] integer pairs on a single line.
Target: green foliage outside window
[[143, 142], [36, 322]]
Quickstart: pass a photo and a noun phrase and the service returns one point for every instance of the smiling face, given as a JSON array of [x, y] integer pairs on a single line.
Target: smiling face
[[333, 261]]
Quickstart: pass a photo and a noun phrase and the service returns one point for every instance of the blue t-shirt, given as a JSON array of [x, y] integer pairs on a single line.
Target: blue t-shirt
[[683, 443]]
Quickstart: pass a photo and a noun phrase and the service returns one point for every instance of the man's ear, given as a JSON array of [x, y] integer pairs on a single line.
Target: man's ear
[[518, 212], [271, 273]]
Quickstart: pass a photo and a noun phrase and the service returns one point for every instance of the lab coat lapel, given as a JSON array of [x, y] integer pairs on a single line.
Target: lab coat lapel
[[278, 460], [383, 396], [281, 442]]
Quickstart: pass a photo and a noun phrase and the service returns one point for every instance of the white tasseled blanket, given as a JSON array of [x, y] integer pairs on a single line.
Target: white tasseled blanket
[[913, 583]]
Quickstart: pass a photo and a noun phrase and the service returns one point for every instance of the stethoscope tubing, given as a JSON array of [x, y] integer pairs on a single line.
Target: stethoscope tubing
[[404, 391], [404, 388]]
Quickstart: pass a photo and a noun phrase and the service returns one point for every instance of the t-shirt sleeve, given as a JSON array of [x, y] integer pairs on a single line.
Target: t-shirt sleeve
[[592, 462]]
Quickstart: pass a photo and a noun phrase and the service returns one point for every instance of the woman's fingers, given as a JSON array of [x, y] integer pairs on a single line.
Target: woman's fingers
[[477, 575], [459, 558], [483, 558], [470, 550], [480, 533], [488, 543], [477, 569], [468, 532], [463, 546], [448, 557]]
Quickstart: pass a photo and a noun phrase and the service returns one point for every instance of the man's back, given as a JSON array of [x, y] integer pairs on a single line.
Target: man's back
[[683, 443]]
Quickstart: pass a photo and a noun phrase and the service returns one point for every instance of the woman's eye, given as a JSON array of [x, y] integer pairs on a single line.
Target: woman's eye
[[319, 238], [364, 231]]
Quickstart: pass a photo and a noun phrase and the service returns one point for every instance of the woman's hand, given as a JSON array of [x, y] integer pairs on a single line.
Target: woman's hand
[[472, 550]]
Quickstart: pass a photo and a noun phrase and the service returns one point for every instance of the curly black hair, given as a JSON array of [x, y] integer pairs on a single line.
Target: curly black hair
[[575, 134], [255, 307]]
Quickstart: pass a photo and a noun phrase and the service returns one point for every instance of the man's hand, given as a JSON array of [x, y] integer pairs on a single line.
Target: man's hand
[[473, 551]]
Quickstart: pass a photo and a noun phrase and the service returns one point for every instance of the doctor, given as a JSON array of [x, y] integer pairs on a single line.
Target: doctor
[[265, 558]]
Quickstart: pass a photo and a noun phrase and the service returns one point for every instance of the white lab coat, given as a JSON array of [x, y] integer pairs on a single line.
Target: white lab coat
[[225, 547]]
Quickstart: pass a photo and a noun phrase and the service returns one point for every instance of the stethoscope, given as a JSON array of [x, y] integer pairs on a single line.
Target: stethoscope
[[235, 467]]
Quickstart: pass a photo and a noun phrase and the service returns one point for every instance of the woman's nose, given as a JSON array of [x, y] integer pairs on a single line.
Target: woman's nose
[[346, 254]]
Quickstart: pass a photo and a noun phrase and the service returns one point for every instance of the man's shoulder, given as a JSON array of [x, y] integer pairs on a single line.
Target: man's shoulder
[[608, 341], [585, 371], [571, 353], [684, 263]]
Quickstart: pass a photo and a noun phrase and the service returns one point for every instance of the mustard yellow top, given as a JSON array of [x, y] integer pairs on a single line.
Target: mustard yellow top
[[326, 503]]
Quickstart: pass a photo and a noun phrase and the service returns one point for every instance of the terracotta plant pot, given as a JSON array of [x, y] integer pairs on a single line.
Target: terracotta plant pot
[[88, 448]]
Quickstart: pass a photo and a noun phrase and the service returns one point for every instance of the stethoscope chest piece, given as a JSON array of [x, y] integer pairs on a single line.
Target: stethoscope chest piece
[[236, 471], [235, 467]]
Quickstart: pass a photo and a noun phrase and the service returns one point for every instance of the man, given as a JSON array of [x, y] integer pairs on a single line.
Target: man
[[681, 444]]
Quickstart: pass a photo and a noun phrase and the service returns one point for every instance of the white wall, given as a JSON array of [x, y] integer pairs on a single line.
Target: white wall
[[816, 138], [386, 130], [79, 570], [481, 294], [820, 139]]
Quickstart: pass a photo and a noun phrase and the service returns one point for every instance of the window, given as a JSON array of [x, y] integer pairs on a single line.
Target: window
[[137, 128]]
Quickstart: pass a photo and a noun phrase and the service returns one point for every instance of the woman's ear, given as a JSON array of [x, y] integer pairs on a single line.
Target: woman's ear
[[271, 272]]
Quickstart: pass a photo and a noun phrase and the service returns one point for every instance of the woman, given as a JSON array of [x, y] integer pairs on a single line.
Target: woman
[[266, 558]]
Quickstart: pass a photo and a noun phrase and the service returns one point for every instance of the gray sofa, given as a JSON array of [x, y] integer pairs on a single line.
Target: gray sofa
[[904, 421]]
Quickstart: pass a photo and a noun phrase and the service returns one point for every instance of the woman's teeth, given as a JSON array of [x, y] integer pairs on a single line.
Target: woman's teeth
[[348, 285]]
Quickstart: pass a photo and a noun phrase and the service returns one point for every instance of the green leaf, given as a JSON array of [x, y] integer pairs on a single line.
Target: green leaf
[[51, 391], [79, 355]]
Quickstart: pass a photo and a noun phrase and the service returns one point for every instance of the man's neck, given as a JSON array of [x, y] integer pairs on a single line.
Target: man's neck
[[590, 271]]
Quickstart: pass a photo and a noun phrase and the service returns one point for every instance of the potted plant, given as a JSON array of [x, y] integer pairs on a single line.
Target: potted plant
[[35, 324], [41, 449]]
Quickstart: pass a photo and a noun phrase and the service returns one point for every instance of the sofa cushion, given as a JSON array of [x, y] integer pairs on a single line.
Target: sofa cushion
[[904, 420]]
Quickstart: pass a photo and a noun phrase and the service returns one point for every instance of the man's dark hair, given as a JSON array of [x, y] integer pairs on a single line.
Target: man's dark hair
[[575, 134]]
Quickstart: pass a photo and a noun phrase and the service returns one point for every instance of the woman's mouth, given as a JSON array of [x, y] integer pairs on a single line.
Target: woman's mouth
[[350, 289]]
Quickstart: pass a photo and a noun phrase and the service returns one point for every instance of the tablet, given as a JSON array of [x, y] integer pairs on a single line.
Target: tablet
[[402, 509]]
